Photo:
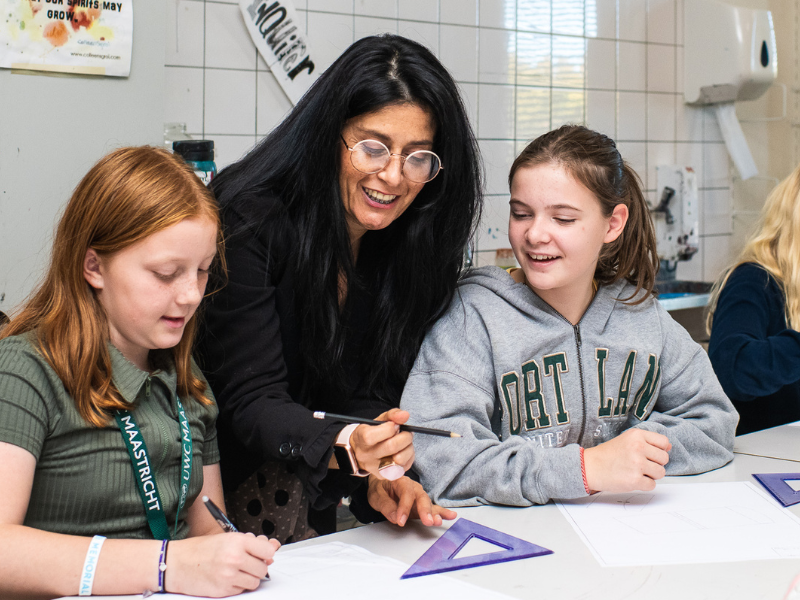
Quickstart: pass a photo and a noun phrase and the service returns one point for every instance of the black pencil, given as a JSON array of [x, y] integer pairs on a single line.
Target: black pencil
[[362, 421], [219, 516]]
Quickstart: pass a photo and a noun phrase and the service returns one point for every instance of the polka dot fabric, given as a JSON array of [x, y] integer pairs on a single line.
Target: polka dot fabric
[[271, 502]]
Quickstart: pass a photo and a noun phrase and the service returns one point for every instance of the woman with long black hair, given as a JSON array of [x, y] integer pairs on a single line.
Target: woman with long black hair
[[345, 235]]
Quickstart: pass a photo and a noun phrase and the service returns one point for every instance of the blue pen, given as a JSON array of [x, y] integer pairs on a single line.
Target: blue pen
[[223, 520]]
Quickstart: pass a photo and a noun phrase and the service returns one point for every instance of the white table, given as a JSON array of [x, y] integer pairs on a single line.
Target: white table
[[571, 572], [782, 442]]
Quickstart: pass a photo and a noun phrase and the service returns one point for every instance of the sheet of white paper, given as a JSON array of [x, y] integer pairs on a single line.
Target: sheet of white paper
[[684, 523], [337, 570], [795, 424]]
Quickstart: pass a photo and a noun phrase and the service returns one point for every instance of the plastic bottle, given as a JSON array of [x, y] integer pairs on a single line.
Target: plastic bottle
[[200, 155], [174, 132]]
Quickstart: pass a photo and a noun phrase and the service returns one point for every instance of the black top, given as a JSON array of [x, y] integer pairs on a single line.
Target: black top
[[249, 350], [755, 355]]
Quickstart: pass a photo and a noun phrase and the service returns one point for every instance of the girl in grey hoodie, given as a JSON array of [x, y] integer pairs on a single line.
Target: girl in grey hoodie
[[565, 376]]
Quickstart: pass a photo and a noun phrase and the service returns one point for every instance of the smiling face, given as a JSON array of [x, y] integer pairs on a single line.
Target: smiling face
[[374, 201], [152, 288], [557, 230]]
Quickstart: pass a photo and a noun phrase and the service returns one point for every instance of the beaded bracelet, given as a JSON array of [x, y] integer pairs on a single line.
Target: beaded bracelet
[[162, 566], [90, 565]]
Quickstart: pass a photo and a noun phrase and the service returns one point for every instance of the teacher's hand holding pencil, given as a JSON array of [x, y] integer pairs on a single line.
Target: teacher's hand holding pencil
[[384, 441], [381, 447], [397, 497]]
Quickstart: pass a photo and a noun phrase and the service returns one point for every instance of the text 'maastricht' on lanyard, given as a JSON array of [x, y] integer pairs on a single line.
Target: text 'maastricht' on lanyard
[[143, 472]]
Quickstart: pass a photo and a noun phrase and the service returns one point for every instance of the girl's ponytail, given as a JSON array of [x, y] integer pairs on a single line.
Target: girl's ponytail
[[633, 254]]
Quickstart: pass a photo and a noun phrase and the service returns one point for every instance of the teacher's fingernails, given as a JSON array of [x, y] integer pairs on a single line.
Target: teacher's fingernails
[[402, 520]]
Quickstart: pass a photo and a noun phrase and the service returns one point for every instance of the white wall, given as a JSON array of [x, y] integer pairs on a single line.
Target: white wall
[[776, 142], [53, 128], [524, 66]]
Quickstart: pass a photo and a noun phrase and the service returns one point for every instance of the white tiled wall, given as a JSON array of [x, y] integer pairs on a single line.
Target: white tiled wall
[[524, 67]]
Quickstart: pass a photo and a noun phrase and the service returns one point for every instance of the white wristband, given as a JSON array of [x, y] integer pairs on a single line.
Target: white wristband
[[90, 565]]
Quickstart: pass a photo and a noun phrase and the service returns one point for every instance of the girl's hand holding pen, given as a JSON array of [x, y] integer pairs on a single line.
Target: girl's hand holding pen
[[372, 443], [218, 565]]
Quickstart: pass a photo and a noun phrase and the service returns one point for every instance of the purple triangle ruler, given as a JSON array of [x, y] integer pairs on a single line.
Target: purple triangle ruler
[[442, 557], [777, 486]]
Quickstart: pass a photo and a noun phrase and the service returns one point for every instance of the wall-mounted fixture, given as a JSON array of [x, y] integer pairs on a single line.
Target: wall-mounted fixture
[[676, 215], [729, 54]]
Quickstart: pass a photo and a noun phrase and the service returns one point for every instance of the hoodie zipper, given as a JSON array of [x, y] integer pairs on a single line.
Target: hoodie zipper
[[576, 330]]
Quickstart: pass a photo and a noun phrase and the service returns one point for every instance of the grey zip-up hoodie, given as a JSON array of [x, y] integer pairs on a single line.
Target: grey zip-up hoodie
[[525, 389]]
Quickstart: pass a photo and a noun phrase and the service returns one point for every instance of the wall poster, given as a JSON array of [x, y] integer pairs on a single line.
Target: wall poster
[[281, 42], [90, 37]]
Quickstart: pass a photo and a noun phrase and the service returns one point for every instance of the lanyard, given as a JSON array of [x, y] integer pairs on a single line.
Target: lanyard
[[144, 475]]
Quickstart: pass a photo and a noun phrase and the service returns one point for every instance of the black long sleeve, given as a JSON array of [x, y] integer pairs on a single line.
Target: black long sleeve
[[250, 352], [755, 355]]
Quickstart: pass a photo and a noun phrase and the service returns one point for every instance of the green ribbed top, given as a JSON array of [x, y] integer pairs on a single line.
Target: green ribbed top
[[84, 482]]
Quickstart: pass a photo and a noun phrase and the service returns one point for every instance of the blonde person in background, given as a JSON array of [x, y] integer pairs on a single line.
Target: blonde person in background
[[99, 397], [754, 317]]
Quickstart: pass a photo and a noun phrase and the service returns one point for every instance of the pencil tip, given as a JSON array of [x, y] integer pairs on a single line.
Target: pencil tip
[[454, 434]]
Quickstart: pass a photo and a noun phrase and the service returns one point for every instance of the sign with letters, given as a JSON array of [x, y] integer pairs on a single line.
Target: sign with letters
[[281, 43], [89, 37]]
